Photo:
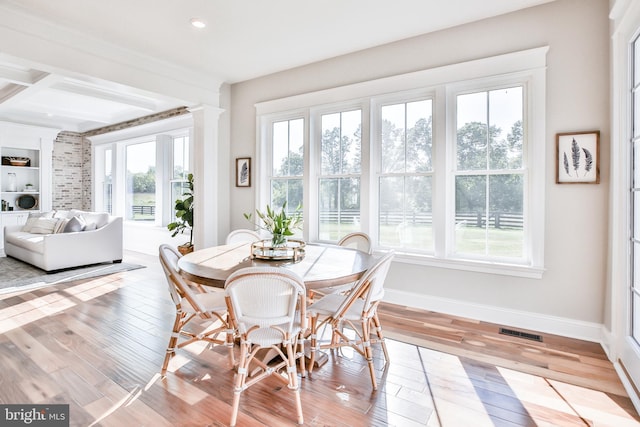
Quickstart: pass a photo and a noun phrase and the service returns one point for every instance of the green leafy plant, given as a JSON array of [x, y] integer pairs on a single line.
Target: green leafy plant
[[184, 212], [279, 223]]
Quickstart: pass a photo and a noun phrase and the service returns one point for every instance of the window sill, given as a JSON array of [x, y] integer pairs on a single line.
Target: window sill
[[525, 271]]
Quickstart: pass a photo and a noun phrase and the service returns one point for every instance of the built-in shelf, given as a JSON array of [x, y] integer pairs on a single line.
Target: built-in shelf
[[34, 146], [13, 179]]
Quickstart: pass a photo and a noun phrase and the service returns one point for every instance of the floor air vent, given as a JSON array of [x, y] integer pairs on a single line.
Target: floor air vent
[[520, 334]]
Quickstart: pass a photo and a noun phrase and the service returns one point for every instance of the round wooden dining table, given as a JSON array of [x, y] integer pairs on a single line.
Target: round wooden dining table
[[322, 266]]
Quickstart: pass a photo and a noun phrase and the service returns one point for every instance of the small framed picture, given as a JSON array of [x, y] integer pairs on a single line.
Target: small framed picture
[[243, 172], [578, 157]]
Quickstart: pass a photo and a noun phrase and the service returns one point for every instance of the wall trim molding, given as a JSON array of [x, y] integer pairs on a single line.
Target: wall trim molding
[[563, 326]]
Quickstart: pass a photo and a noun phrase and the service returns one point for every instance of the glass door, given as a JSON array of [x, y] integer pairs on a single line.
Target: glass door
[[630, 354]]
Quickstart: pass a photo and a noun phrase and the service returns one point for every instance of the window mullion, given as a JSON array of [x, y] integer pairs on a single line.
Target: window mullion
[[443, 182]]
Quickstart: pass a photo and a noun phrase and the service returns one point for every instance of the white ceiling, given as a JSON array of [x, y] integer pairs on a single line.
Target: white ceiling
[[243, 39]]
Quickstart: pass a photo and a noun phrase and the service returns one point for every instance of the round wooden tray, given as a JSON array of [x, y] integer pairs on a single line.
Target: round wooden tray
[[27, 201], [263, 249]]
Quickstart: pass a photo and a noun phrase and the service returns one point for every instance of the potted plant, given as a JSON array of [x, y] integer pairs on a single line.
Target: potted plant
[[184, 216], [279, 224]]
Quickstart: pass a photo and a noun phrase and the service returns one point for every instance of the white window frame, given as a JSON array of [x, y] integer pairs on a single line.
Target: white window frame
[[375, 163], [527, 68], [483, 85], [264, 159], [159, 131], [314, 172]]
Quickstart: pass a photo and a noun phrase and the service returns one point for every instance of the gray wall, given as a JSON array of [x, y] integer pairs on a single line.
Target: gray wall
[[577, 31]]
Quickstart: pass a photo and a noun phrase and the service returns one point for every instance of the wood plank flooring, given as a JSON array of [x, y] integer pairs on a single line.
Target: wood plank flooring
[[98, 346]]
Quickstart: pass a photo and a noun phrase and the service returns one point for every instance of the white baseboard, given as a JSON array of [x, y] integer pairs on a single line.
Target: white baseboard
[[629, 388], [503, 316]]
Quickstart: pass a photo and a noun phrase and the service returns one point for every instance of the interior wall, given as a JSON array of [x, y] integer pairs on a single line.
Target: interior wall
[[572, 288], [67, 172]]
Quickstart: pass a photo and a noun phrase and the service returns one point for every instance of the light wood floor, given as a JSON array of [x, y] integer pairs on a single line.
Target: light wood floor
[[98, 346]]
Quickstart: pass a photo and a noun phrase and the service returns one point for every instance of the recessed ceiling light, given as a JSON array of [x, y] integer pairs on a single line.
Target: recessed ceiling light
[[198, 23]]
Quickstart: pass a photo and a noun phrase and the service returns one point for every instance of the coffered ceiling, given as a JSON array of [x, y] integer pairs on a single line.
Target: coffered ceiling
[[75, 64]]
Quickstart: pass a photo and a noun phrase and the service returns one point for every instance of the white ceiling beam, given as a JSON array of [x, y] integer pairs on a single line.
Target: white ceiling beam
[[51, 47], [94, 92], [72, 114], [9, 91], [20, 77], [23, 93]]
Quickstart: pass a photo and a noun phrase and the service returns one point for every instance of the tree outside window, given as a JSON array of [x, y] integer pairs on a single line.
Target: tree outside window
[[405, 204], [339, 182], [287, 164], [489, 179]]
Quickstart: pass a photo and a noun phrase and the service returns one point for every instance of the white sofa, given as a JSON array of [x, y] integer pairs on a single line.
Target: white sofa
[[64, 239]]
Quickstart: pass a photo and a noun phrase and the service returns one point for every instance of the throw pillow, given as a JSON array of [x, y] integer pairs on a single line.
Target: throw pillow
[[90, 226], [44, 225], [29, 224], [62, 223], [100, 219], [41, 214], [61, 214], [75, 224]]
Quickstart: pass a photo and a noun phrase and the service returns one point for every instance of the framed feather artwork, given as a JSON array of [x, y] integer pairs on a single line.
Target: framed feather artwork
[[578, 157], [243, 172]]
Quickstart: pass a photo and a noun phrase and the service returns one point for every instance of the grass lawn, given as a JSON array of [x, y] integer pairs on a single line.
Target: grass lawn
[[501, 242]]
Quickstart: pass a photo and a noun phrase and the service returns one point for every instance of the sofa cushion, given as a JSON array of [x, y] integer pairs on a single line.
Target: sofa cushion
[[61, 214], [28, 241], [100, 219], [29, 224], [75, 224], [43, 225], [48, 214]]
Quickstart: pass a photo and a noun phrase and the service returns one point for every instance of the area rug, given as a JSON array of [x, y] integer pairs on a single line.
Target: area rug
[[18, 276]]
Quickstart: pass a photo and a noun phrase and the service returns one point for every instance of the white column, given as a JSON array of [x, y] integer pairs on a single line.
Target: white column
[[164, 173], [46, 172], [208, 207]]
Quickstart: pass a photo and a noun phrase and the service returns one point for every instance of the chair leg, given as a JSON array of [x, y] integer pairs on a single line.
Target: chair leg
[[293, 381], [230, 342], [171, 348], [383, 344], [368, 354], [240, 379], [314, 343], [301, 355]]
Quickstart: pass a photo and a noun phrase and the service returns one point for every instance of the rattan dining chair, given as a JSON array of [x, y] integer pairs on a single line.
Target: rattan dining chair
[[242, 235], [211, 307], [267, 306], [356, 310], [357, 240]]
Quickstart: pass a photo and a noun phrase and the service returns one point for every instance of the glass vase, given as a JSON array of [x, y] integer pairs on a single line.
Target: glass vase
[[278, 240], [11, 182]]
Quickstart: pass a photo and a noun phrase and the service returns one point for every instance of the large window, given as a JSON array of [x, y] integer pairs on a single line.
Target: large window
[[404, 208], [287, 164], [181, 168], [140, 178], [446, 168], [489, 174], [339, 178], [141, 181]]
